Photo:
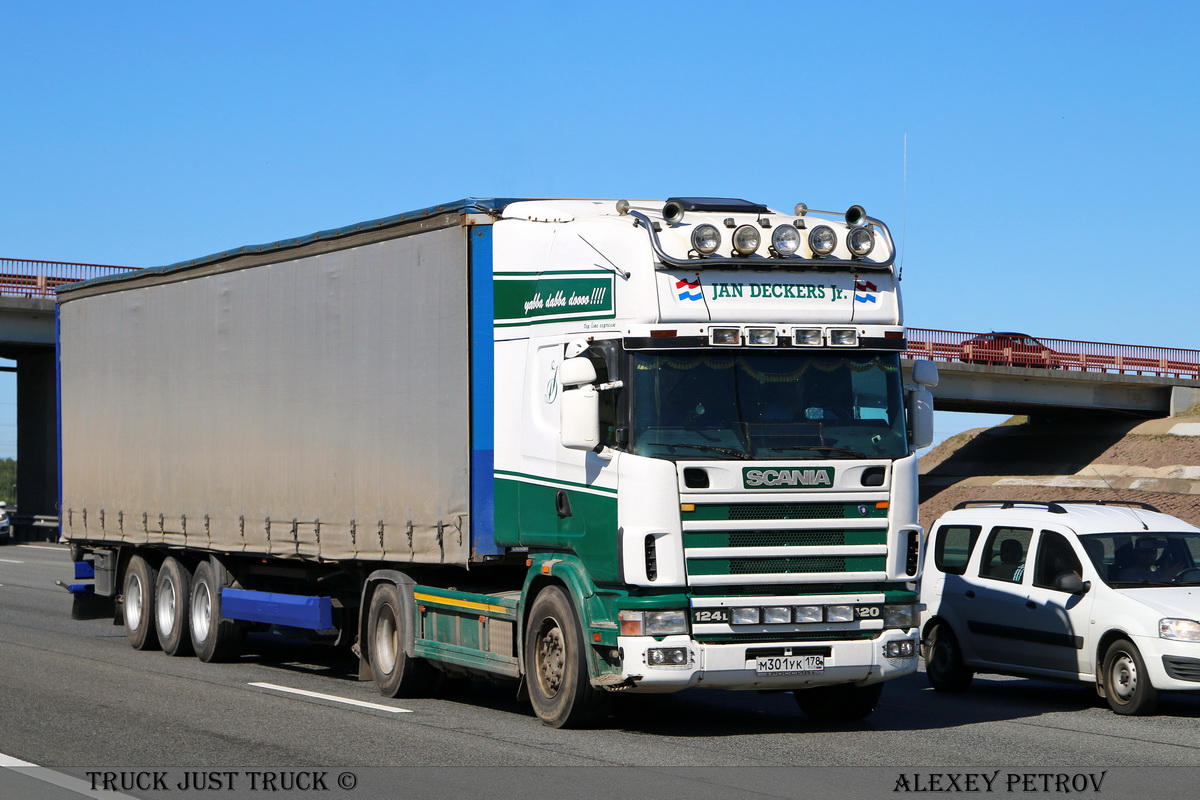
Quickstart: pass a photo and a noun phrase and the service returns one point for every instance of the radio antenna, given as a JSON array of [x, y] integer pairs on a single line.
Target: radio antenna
[[904, 211]]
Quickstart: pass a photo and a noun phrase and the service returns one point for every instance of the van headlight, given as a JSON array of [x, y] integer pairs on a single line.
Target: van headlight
[[1180, 630]]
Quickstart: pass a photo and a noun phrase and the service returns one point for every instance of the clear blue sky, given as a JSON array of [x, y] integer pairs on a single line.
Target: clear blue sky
[[1049, 182]]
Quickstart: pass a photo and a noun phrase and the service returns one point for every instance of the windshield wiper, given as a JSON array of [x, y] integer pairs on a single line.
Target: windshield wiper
[[727, 451], [846, 451]]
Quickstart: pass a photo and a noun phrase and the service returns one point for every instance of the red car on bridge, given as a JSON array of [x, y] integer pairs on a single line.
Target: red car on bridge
[[1007, 348]]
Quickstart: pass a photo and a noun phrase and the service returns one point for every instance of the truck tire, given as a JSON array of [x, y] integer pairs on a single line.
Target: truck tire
[[944, 667], [1127, 684], [556, 664], [214, 638], [137, 604], [172, 593], [396, 674], [844, 703]]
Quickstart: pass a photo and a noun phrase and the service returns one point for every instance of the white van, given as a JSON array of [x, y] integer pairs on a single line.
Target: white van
[[1106, 592]]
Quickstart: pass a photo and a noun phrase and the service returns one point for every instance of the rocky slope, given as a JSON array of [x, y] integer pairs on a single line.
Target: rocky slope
[[1155, 462]]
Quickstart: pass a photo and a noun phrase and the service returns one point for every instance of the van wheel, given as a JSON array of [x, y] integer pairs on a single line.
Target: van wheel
[[844, 703], [1126, 683], [395, 673], [137, 604], [556, 665], [214, 638], [172, 596], [944, 665]]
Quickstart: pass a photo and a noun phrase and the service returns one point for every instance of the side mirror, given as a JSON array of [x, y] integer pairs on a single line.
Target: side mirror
[[925, 373], [920, 417], [1072, 583], [579, 410]]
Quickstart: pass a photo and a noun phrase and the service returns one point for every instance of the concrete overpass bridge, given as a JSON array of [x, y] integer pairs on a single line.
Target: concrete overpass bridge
[[980, 372]]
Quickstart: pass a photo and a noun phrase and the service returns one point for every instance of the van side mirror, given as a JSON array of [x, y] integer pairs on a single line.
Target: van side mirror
[[1072, 583], [579, 409]]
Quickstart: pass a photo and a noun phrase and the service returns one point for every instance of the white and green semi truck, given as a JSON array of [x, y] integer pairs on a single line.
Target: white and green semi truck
[[588, 446]]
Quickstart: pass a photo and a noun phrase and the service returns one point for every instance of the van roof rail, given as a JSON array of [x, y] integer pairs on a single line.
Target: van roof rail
[[1053, 507], [1134, 503]]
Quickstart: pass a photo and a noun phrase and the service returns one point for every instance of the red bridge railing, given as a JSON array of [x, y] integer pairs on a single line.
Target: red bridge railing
[[1023, 351], [22, 278]]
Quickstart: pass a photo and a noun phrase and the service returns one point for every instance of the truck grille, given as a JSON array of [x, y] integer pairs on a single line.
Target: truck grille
[[781, 511], [784, 566]]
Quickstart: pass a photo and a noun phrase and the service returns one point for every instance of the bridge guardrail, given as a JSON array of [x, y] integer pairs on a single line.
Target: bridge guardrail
[[1080, 356], [20, 277]]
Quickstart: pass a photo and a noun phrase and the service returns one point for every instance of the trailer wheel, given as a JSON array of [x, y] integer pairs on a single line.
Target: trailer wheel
[[844, 703], [395, 673], [556, 665], [214, 638], [137, 604], [172, 592], [1127, 684]]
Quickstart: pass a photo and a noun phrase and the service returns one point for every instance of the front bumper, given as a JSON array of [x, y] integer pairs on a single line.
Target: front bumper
[[732, 665]]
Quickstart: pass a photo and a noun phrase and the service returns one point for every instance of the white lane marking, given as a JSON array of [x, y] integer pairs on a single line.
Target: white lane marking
[[41, 547], [47, 775], [10, 561], [332, 697]]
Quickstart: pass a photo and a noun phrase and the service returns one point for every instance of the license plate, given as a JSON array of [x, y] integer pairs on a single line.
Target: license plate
[[788, 665]]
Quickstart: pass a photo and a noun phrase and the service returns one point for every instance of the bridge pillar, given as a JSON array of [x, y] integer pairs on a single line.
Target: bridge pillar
[[1183, 399], [37, 446]]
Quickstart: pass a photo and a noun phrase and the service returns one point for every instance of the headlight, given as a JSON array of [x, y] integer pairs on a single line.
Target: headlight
[[706, 239], [843, 337], [839, 614], [746, 240], [652, 623], [785, 239], [745, 615], [822, 240], [860, 241], [777, 615], [725, 336], [809, 614], [899, 616], [1181, 630]]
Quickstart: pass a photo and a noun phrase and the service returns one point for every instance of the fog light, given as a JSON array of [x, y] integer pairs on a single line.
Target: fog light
[[861, 241], [822, 240], [843, 337], [745, 615], [668, 657], [785, 241], [809, 614], [807, 337], [899, 616], [761, 336], [706, 239], [839, 613], [905, 648], [746, 240], [725, 336], [777, 615]]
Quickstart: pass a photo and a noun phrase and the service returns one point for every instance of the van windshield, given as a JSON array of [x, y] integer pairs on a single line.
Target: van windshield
[[776, 405], [1145, 559]]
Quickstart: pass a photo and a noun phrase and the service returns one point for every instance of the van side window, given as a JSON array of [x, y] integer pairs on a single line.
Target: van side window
[[1055, 557], [1004, 556], [952, 546]]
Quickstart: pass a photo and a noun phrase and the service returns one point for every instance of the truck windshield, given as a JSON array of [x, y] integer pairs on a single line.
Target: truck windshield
[[776, 405]]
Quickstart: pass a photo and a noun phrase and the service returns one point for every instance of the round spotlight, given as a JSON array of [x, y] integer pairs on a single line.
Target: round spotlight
[[822, 240], [706, 239], [785, 240], [746, 240], [861, 241]]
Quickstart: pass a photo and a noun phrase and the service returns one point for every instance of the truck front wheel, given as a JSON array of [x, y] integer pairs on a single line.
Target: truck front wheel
[[396, 674], [845, 703], [556, 664], [137, 604], [172, 593]]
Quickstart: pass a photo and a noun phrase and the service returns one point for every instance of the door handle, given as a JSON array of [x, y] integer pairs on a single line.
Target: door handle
[[970, 594], [1032, 606], [562, 505]]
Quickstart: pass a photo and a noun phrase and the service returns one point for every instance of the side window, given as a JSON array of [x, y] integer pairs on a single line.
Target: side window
[[1055, 557], [952, 546], [1005, 552]]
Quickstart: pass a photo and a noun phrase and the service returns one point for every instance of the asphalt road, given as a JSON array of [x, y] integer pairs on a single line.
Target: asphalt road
[[77, 699]]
